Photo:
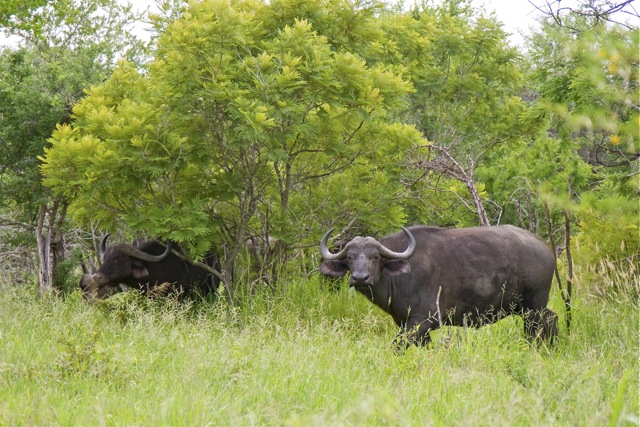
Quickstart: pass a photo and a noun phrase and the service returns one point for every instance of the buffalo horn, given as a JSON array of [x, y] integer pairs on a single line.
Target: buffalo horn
[[85, 269], [388, 253], [143, 256], [324, 250], [384, 251], [103, 245]]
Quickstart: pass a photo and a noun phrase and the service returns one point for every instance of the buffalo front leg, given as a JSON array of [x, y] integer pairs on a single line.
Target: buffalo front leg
[[414, 333]]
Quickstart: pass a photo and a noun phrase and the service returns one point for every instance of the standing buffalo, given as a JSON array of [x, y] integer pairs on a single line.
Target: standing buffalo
[[426, 277], [146, 266]]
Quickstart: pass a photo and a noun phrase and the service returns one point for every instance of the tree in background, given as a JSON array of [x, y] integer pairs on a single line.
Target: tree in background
[[243, 118], [12, 11], [579, 171], [274, 122], [618, 12], [64, 46], [592, 98], [466, 103]]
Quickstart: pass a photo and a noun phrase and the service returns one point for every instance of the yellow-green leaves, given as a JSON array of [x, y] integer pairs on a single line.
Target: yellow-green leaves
[[64, 168], [241, 112]]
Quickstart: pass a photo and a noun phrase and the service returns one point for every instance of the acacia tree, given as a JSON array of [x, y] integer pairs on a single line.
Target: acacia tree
[[63, 47], [466, 102], [239, 114]]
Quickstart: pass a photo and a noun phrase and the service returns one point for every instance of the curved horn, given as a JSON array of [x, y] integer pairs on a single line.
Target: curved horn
[[324, 250], [103, 245], [388, 253], [143, 256]]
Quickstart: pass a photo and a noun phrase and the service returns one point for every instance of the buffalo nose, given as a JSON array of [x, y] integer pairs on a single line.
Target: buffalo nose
[[359, 277]]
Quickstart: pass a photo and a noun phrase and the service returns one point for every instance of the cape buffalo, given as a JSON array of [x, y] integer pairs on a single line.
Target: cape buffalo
[[426, 277], [147, 266]]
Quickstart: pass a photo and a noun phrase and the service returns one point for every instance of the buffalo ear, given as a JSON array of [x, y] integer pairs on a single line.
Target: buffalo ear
[[139, 270], [334, 268], [396, 267]]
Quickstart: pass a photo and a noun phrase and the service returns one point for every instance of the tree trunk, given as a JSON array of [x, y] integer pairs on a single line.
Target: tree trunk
[[567, 225], [471, 186], [50, 243], [564, 293], [44, 259], [566, 296]]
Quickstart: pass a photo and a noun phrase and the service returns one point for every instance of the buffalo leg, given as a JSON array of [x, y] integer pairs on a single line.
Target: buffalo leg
[[416, 333], [541, 324]]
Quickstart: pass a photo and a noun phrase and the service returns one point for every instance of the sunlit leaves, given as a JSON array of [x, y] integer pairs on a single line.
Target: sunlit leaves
[[237, 118]]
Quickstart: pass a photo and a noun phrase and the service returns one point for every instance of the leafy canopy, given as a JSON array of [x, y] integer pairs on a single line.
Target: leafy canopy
[[240, 114], [64, 47]]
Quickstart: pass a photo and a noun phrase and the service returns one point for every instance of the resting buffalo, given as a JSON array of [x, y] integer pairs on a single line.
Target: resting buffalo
[[426, 277], [146, 266]]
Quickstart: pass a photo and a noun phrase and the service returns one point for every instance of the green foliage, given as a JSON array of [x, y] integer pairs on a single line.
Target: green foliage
[[609, 228], [261, 117], [524, 175], [588, 87], [286, 118], [64, 46], [27, 114], [467, 81], [38, 90], [12, 10], [97, 29], [581, 154], [239, 115], [466, 77]]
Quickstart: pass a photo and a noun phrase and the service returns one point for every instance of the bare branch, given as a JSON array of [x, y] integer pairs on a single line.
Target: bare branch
[[597, 11], [446, 164]]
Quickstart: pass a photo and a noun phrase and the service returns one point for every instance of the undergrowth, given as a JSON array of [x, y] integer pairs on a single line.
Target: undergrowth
[[310, 355]]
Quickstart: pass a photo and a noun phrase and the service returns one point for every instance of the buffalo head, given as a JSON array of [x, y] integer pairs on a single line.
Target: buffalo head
[[367, 259], [122, 265]]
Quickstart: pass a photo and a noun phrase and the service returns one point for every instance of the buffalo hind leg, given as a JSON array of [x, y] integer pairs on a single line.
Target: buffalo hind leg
[[541, 324]]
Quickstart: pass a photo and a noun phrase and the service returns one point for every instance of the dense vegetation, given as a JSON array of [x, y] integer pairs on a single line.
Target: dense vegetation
[[275, 121], [308, 356]]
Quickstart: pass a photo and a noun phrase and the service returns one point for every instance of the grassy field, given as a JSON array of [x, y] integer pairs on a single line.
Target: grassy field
[[307, 357]]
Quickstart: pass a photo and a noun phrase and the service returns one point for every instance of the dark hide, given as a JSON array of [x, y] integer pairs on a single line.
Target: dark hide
[[120, 271], [481, 273]]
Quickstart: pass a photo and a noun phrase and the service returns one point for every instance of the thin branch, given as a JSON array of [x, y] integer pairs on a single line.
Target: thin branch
[[446, 164]]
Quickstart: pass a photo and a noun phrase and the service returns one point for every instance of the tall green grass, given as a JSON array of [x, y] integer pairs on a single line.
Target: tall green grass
[[305, 356]]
